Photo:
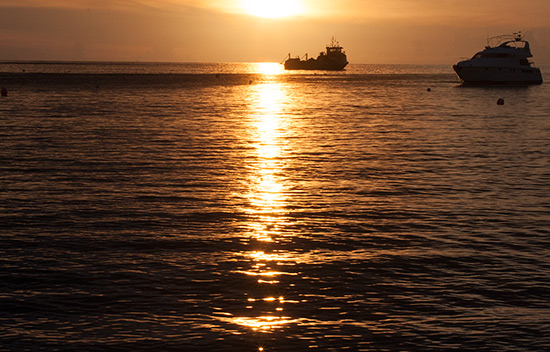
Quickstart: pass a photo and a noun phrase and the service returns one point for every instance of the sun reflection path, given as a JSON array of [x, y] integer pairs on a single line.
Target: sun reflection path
[[267, 68], [264, 301], [270, 306], [267, 189]]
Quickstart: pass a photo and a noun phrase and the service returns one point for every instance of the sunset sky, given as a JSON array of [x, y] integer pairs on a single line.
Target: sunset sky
[[371, 31]]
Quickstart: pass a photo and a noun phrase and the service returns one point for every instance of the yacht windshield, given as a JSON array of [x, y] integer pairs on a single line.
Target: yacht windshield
[[491, 56]]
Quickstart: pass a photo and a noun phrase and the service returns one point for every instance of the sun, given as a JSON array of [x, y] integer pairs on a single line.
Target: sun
[[272, 8]]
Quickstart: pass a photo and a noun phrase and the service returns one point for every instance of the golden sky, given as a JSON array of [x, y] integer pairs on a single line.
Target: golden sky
[[371, 31]]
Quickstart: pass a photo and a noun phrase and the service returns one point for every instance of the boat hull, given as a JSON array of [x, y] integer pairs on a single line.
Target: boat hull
[[497, 75], [312, 64]]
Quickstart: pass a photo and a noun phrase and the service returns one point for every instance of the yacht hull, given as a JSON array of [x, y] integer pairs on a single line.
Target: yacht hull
[[498, 75]]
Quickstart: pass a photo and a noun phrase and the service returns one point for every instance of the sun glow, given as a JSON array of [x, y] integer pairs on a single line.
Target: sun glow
[[272, 8]]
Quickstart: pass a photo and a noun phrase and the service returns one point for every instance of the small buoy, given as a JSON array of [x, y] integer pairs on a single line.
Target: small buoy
[[4, 92], [429, 89], [500, 101]]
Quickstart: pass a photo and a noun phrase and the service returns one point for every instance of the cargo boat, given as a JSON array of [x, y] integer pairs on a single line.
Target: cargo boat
[[334, 59]]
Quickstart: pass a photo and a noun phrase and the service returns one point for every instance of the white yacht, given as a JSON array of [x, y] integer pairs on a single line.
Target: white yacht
[[504, 60]]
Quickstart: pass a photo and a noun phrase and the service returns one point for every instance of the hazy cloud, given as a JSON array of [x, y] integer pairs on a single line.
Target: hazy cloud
[[392, 31]]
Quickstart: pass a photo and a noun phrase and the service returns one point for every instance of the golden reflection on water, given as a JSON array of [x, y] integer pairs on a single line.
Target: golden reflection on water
[[266, 68], [267, 206], [266, 195], [263, 323]]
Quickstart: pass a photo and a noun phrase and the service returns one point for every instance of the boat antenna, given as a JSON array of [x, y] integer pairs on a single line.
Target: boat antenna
[[286, 58]]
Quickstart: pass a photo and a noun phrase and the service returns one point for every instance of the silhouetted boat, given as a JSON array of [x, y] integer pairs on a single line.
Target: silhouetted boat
[[334, 58], [504, 60]]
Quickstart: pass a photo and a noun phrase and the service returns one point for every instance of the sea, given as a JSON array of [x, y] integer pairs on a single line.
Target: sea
[[241, 207]]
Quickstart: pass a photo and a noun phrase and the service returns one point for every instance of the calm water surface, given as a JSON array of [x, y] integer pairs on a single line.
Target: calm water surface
[[236, 207]]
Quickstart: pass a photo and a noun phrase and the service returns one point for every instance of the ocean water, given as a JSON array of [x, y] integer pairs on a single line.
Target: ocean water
[[237, 207]]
